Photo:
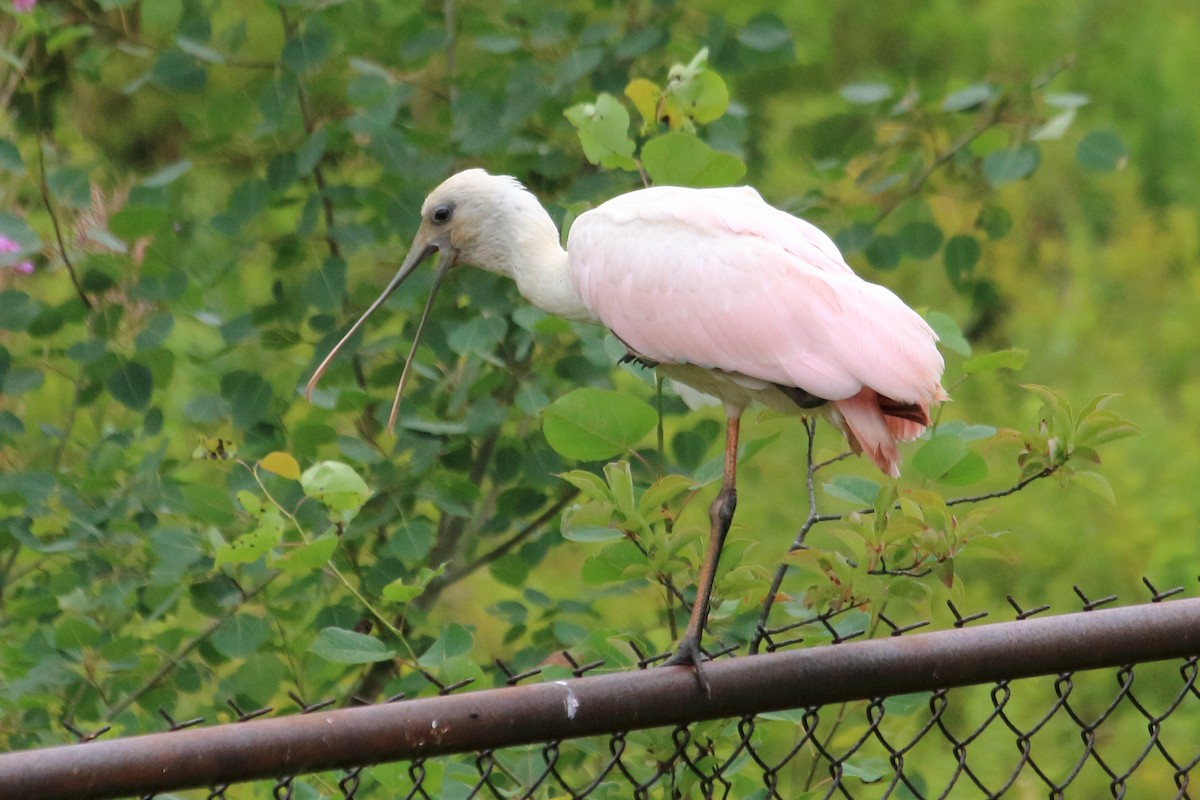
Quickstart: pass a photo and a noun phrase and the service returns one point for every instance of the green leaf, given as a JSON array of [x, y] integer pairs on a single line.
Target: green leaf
[[176, 71], [969, 98], [341, 646], [412, 540], [1101, 151], [765, 33], [855, 237], [589, 522], [950, 336], [199, 50], [592, 424], [477, 336], [310, 556], [70, 186], [337, 486], [309, 154], [132, 385], [971, 469], [939, 455], [250, 547], [248, 395], [455, 640], [1096, 483], [603, 129], [841, 136], [592, 486], [968, 433], [853, 489], [702, 97], [168, 174], [620, 480], [1006, 166], [682, 159], [866, 93], [867, 770], [10, 158], [17, 310], [19, 380], [1012, 359], [76, 633], [399, 592], [920, 239], [662, 492], [884, 252], [960, 257], [1067, 99], [995, 221], [306, 52], [251, 502], [326, 288], [590, 534], [240, 635], [1055, 127], [208, 504]]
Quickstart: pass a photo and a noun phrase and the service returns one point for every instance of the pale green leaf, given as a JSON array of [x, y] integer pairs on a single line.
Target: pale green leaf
[[341, 646], [592, 424], [603, 129], [682, 159]]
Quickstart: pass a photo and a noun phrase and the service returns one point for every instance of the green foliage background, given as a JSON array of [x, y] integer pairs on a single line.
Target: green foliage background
[[210, 192]]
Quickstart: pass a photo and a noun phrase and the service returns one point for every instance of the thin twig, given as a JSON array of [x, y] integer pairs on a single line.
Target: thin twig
[[814, 518], [70, 422], [982, 125], [1018, 486], [451, 576], [810, 469], [62, 245]]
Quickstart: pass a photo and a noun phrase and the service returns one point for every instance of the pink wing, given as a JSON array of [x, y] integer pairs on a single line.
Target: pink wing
[[720, 279]]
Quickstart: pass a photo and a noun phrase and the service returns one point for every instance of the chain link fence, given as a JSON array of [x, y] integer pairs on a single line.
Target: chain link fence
[[1102, 702]]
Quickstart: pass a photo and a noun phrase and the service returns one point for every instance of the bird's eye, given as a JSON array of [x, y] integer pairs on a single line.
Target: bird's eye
[[441, 214]]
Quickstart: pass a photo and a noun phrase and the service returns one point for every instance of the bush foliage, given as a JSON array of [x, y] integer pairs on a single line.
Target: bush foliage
[[201, 196]]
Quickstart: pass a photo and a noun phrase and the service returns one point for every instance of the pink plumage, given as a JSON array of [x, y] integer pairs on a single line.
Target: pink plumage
[[720, 291], [719, 279]]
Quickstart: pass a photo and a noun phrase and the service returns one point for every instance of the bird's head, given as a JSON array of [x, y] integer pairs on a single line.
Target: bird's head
[[472, 217], [477, 218]]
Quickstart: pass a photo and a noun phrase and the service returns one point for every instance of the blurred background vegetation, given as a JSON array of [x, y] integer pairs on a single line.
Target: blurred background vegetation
[[198, 197]]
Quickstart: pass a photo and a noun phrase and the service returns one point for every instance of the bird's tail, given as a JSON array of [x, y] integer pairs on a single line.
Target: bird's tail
[[874, 423]]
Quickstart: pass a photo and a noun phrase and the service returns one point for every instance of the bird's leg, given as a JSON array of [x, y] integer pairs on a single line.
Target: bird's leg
[[720, 515]]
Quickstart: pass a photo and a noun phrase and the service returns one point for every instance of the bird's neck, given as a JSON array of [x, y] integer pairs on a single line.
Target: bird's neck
[[529, 252], [543, 277]]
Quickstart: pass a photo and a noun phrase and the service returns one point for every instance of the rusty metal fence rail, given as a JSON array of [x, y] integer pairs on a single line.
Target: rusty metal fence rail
[[1103, 702]]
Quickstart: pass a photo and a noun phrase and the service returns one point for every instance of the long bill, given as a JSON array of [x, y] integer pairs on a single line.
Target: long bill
[[414, 259]]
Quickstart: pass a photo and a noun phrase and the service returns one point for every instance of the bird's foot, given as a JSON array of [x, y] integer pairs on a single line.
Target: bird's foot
[[689, 652]]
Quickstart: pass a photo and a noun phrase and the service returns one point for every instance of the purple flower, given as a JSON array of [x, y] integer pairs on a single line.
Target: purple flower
[[24, 6], [7, 245]]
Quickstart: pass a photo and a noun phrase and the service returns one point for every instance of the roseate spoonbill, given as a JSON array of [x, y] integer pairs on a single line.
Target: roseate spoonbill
[[717, 289]]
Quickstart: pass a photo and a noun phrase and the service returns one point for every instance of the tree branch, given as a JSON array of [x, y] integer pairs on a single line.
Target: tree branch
[[62, 246], [449, 577], [187, 647], [814, 518], [982, 124]]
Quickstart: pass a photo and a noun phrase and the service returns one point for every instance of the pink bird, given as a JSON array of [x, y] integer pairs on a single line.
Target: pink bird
[[715, 288]]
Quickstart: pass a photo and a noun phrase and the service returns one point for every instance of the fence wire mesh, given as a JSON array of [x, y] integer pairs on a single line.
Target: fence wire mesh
[[1128, 731]]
